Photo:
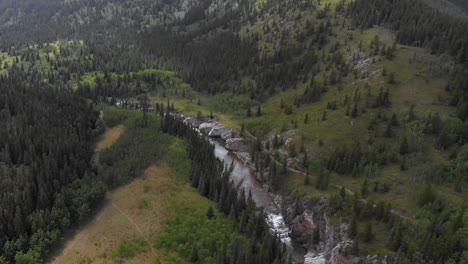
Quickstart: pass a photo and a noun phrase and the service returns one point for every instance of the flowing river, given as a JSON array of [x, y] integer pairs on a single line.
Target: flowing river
[[244, 177]]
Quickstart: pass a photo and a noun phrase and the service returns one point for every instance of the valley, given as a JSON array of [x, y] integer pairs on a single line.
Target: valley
[[326, 131]]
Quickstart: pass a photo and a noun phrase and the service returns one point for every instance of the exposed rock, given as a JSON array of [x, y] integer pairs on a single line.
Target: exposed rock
[[312, 258], [338, 260], [244, 156], [218, 130], [303, 228], [229, 134], [196, 122], [193, 122], [261, 175], [205, 128], [379, 260], [343, 248], [236, 145]]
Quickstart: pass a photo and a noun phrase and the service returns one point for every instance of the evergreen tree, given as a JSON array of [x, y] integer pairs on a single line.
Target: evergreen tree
[[259, 110], [365, 188], [368, 234], [210, 213], [194, 254], [354, 113], [404, 146], [353, 228], [306, 118], [307, 179]]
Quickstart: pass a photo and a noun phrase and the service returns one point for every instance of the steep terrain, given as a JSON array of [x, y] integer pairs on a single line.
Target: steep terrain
[[355, 111]]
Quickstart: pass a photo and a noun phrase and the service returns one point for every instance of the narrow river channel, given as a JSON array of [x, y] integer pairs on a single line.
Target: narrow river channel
[[244, 177]]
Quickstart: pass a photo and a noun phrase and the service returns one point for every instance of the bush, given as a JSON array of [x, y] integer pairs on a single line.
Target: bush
[[129, 248], [114, 115]]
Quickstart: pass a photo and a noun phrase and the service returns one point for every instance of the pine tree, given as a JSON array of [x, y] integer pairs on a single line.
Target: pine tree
[[292, 150], [324, 115], [307, 179], [259, 110], [404, 146], [210, 213], [343, 193], [353, 228], [403, 165], [391, 78], [305, 160], [365, 188], [354, 113], [194, 254], [368, 234], [388, 131]]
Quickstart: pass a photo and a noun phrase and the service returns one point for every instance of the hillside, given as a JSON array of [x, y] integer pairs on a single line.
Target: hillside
[[363, 103], [455, 7]]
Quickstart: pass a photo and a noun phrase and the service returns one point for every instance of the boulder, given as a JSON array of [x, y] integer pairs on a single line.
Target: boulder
[[236, 145], [205, 128], [314, 258], [194, 122], [218, 131], [227, 135]]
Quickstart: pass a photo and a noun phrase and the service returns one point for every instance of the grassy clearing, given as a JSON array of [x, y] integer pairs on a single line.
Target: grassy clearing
[[110, 235], [109, 137], [157, 217], [128, 249]]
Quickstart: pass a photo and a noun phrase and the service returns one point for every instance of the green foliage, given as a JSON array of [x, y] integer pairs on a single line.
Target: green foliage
[[129, 248], [210, 213], [136, 149], [368, 234], [114, 115], [426, 196], [45, 165], [353, 228], [31, 257], [190, 228]]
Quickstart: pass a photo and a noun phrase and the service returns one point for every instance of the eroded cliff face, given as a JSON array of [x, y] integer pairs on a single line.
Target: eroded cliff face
[[325, 243]]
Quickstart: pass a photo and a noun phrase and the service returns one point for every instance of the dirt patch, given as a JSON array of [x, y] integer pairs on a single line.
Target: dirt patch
[[135, 211], [109, 137]]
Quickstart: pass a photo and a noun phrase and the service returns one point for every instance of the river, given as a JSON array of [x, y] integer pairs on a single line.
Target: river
[[244, 177]]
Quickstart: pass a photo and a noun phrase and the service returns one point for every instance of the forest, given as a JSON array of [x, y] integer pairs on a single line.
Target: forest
[[48, 181], [363, 103]]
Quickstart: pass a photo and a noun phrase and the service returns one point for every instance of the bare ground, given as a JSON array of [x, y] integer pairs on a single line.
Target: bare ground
[[109, 137], [122, 218]]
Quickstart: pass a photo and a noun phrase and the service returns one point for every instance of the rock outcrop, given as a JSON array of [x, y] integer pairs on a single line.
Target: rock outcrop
[[236, 145], [229, 134], [205, 128], [219, 130], [196, 122], [303, 228]]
